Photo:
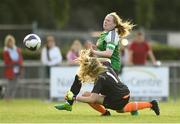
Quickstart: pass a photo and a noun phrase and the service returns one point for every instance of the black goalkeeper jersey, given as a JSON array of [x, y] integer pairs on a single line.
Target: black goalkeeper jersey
[[108, 84]]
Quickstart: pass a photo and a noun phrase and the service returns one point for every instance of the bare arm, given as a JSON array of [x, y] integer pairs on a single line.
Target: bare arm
[[130, 57], [107, 53], [152, 57]]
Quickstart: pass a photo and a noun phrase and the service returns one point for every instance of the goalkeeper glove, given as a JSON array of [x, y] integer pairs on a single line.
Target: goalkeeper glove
[[70, 96]]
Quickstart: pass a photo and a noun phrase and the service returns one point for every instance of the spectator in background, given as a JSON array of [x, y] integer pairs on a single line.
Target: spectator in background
[[138, 51], [73, 53], [50, 54], [88, 44], [13, 61]]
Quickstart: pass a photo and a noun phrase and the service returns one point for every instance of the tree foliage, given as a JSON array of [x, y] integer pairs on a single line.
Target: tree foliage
[[89, 14], [144, 12], [48, 13]]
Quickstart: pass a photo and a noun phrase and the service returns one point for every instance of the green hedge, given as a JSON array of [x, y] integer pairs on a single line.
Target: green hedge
[[31, 55], [27, 55], [162, 52]]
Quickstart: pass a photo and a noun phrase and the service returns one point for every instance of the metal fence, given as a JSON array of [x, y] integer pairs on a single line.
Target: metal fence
[[67, 37], [35, 83]]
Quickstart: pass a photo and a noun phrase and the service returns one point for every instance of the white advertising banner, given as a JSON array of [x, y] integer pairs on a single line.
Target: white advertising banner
[[173, 39], [61, 80], [142, 81], [147, 81]]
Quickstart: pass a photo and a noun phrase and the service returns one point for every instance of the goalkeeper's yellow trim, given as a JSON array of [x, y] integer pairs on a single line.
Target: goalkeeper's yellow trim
[[70, 95]]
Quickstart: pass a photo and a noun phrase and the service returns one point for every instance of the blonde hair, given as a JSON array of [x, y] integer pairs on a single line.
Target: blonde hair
[[90, 67], [76, 45], [8, 38], [124, 27]]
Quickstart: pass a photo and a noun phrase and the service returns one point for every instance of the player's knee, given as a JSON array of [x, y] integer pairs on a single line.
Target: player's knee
[[86, 93]]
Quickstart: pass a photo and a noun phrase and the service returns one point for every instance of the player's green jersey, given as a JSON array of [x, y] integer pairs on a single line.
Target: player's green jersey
[[110, 40]]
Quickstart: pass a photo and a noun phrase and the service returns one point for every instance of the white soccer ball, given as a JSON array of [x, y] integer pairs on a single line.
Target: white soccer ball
[[32, 42]]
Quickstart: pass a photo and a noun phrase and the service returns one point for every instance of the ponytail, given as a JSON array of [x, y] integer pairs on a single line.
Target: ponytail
[[124, 28]]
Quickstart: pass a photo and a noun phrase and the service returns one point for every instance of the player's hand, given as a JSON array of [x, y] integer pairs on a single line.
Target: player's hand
[[93, 46], [70, 96], [92, 50], [65, 97], [157, 63]]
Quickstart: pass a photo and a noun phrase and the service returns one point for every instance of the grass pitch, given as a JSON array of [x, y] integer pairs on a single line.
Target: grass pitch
[[34, 111]]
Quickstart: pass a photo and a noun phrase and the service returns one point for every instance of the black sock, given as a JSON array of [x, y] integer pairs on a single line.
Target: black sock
[[75, 88], [70, 102]]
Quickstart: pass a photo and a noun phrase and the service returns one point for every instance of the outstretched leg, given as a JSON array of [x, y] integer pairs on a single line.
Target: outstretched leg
[[75, 89], [133, 106], [97, 107]]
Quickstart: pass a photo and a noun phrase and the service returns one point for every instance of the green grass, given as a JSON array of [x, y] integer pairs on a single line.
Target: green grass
[[38, 111]]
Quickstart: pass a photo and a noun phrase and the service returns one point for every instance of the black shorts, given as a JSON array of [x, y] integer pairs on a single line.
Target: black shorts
[[115, 104], [107, 64]]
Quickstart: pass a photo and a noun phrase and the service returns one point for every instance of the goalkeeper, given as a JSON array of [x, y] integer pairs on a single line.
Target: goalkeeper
[[108, 90]]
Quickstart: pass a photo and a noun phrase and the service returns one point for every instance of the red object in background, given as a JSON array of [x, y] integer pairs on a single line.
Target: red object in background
[[9, 63], [140, 52]]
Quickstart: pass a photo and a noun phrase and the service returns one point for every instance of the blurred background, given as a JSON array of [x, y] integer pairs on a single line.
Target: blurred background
[[70, 20]]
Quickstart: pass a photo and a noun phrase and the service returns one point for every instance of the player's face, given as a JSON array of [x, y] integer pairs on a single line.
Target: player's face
[[109, 23], [139, 38], [10, 43], [50, 41]]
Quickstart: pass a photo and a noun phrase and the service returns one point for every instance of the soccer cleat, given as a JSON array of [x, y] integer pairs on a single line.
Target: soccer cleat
[[155, 107], [107, 113], [64, 106], [134, 113]]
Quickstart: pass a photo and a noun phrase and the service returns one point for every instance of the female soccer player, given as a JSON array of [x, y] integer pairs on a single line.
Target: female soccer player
[[108, 90], [107, 47], [108, 42]]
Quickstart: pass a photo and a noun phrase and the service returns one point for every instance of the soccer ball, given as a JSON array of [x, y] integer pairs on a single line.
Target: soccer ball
[[32, 42]]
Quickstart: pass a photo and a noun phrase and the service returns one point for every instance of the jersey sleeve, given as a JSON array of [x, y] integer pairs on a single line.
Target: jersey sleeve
[[98, 85], [112, 40]]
